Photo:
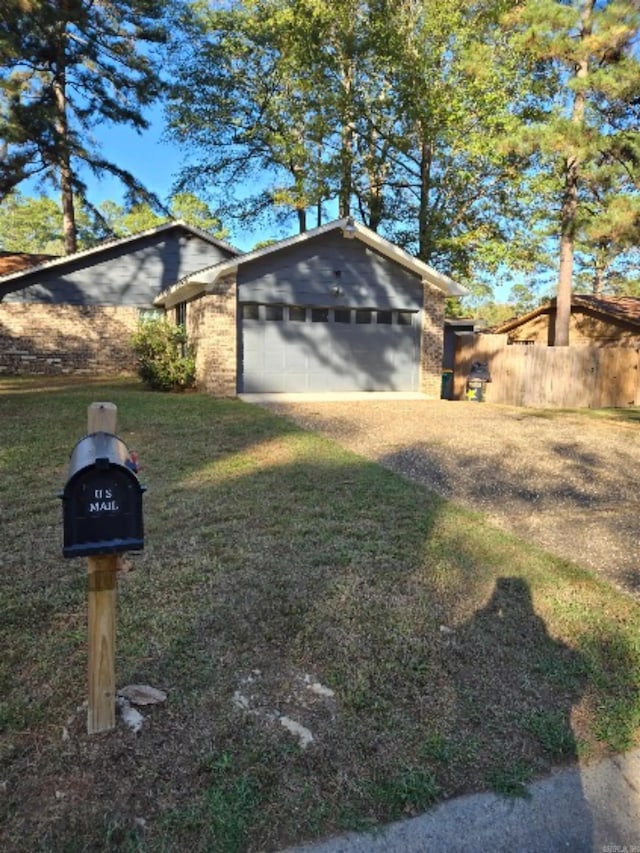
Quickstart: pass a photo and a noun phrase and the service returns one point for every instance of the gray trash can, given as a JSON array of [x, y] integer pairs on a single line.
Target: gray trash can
[[477, 380]]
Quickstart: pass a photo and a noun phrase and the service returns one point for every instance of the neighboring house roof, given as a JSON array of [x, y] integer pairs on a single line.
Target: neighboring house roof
[[53, 261], [621, 308], [197, 283], [13, 262]]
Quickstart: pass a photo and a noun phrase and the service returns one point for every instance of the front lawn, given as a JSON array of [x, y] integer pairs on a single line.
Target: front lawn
[[339, 646]]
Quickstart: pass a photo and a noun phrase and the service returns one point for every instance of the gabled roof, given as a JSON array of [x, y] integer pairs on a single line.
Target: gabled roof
[[621, 308], [626, 308], [52, 261], [198, 282]]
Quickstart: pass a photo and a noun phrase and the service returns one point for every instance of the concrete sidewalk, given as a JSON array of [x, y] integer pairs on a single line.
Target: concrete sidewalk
[[579, 810]]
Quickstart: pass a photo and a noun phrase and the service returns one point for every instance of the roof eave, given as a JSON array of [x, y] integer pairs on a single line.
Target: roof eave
[[169, 299]]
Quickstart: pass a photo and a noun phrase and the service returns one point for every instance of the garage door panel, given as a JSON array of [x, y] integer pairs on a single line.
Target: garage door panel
[[307, 356]]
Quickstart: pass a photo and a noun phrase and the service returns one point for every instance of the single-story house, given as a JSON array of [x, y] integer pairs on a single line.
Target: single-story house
[[601, 321], [338, 308], [76, 313]]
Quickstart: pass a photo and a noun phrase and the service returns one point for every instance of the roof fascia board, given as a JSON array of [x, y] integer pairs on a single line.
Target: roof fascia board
[[524, 318]]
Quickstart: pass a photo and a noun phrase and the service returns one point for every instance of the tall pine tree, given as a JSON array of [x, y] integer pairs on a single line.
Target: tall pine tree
[[585, 133], [65, 67]]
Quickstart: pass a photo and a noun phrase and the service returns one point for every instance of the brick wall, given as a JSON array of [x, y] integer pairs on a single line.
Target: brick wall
[[53, 339], [212, 330], [432, 341]]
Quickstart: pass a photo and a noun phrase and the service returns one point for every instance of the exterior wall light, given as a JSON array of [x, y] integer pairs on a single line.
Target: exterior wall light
[[349, 231]]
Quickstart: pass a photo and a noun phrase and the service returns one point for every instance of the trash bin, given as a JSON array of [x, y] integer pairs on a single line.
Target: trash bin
[[476, 381], [446, 390]]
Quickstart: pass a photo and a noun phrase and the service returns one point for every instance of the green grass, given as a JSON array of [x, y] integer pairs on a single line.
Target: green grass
[[276, 560]]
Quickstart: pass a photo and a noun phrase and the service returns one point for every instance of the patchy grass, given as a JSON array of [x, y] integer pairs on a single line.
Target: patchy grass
[[284, 579], [630, 415]]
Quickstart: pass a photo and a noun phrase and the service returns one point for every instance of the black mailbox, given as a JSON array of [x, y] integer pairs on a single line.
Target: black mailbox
[[102, 499]]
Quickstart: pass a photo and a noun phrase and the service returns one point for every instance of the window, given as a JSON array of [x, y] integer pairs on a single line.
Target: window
[[273, 312], [297, 314], [384, 318], [145, 314], [364, 316], [181, 314], [521, 343], [319, 315], [342, 315], [405, 318], [250, 311]]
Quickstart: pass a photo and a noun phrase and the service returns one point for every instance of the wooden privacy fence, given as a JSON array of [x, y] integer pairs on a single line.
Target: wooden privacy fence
[[547, 377]]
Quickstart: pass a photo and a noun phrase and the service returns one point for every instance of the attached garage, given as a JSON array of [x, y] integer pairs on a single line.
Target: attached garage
[[334, 309]]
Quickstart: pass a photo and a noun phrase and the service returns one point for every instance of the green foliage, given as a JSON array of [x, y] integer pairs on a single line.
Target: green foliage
[[63, 69], [34, 224], [411, 791], [579, 135], [553, 731], [30, 225], [393, 111], [126, 220], [511, 780], [494, 313], [232, 800], [165, 361]]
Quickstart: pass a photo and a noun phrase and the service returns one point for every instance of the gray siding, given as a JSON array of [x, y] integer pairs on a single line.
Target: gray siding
[[130, 274], [330, 356], [309, 273]]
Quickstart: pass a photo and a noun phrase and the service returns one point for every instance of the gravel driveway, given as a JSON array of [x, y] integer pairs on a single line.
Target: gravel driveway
[[569, 483]]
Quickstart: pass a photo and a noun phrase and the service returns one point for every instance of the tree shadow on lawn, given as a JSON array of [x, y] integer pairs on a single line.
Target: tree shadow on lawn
[[579, 509], [277, 564]]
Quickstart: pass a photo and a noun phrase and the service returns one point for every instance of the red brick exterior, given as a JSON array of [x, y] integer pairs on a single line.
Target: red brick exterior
[[212, 327], [432, 341], [70, 339]]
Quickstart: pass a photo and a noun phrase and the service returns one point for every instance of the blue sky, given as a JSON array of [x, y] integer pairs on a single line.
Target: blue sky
[[155, 162]]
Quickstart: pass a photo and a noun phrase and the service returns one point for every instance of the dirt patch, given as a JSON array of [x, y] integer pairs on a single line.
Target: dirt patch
[[569, 482]]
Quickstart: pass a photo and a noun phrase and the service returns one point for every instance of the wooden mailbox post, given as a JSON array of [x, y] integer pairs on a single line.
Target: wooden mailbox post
[[101, 714], [102, 509]]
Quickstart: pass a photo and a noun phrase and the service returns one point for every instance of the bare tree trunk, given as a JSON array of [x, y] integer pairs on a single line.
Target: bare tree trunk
[[598, 278], [66, 184], [302, 219], [346, 168], [570, 202], [567, 239], [375, 199], [425, 246], [347, 134]]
